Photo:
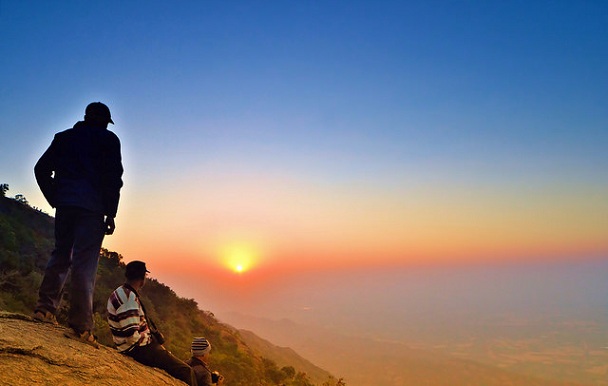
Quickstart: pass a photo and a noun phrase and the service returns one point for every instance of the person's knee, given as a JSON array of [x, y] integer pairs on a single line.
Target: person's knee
[[85, 264], [59, 262]]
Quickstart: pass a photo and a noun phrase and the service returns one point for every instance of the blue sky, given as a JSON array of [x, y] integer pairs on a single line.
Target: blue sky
[[355, 101]]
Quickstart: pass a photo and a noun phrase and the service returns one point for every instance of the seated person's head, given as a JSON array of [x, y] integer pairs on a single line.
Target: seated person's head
[[201, 348], [136, 271]]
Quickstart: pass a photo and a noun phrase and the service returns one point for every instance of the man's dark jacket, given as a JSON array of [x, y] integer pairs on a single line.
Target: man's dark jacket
[[82, 168], [203, 374]]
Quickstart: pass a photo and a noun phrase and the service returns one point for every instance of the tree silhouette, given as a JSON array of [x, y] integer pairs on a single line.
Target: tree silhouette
[[21, 198], [289, 372]]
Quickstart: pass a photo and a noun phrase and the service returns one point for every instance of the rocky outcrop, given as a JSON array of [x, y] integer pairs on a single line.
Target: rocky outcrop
[[33, 353]]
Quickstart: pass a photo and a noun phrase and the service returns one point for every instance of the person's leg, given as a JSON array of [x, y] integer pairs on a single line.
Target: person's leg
[[55, 275], [88, 237], [155, 355]]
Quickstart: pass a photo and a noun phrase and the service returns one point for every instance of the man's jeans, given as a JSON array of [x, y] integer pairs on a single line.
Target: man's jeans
[[78, 237]]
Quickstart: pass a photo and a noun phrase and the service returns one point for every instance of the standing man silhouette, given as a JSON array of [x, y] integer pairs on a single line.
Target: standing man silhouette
[[80, 175]]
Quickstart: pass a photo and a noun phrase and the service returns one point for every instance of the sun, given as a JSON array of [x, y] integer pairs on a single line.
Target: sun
[[238, 258]]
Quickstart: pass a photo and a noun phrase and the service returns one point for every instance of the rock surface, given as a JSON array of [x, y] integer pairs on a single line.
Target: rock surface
[[33, 353]]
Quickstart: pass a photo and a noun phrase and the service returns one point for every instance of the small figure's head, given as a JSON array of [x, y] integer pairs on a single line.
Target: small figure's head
[[99, 113], [136, 272], [201, 348]]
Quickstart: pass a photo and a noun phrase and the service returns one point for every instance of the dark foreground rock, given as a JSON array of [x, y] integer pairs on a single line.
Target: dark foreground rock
[[33, 353]]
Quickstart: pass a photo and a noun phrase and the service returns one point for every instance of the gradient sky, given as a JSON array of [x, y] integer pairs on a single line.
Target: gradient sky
[[286, 135]]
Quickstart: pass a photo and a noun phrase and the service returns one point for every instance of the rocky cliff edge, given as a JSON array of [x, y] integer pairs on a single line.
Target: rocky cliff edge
[[33, 353]]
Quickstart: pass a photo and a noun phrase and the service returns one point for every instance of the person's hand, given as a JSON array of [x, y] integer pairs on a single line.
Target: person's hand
[[142, 337], [217, 378], [110, 225]]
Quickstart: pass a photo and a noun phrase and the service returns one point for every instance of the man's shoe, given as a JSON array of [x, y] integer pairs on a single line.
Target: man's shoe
[[45, 317], [86, 337]]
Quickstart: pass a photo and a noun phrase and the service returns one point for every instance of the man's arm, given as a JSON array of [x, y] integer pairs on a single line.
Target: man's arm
[[44, 172], [112, 180]]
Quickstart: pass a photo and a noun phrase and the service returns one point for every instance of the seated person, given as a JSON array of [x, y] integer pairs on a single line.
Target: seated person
[[199, 363], [130, 327]]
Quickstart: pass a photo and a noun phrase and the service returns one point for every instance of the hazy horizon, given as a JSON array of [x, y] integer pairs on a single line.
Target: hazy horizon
[[361, 298], [547, 321]]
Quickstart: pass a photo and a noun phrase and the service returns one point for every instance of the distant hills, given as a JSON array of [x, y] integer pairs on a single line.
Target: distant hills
[[26, 240], [283, 356], [365, 361]]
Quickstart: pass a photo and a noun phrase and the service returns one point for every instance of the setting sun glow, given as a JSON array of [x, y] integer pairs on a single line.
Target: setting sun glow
[[238, 258]]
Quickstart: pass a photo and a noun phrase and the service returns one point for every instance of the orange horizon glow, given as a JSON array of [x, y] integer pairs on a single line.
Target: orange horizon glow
[[203, 278], [239, 258], [273, 239], [242, 264], [245, 228]]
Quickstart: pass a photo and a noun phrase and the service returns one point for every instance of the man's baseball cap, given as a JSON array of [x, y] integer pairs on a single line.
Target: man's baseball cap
[[98, 109], [136, 270]]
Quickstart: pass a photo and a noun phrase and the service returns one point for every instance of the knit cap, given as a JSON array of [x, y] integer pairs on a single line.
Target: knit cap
[[200, 347]]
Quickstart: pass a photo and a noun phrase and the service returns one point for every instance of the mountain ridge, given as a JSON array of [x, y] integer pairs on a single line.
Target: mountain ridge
[[283, 356]]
